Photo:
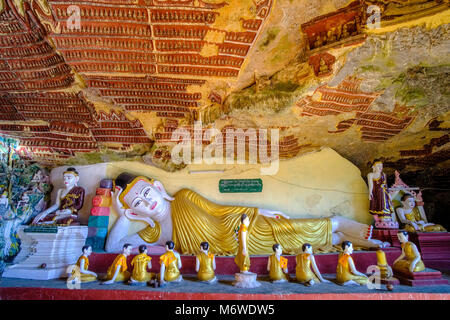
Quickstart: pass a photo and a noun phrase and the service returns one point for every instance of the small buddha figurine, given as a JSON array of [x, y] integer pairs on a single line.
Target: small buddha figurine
[[305, 262], [117, 272], [140, 264], [380, 202], [323, 68], [409, 214], [346, 273], [170, 265], [409, 261], [69, 202], [205, 264], [243, 258], [83, 265], [277, 265]]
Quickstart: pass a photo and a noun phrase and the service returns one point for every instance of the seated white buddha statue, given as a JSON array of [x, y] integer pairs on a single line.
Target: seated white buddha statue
[[409, 215]]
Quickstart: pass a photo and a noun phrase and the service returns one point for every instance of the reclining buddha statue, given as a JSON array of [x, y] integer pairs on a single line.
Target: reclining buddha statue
[[188, 219]]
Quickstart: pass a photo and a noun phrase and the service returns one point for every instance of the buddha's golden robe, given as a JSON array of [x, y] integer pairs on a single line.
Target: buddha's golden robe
[[414, 216], [140, 263], [276, 267], [171, 272], [343, 272], [84, 277], [303, 270], [206, 270], [123, 274], [403, 265], [196, 219]]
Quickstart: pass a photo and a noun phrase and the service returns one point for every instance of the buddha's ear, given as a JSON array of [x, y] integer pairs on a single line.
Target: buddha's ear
[[160, 187]]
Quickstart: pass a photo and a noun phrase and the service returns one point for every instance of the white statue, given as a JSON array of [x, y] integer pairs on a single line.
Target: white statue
[[410, 216], [190, 219]]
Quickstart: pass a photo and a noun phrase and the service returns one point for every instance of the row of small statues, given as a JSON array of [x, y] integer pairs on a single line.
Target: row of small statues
[[306, 270]]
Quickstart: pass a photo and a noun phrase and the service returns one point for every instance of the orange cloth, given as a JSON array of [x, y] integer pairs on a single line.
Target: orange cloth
[[283, 262], [167, 258]]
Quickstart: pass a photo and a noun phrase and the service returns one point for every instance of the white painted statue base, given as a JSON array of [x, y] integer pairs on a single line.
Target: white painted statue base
[[246, 280], [57, 249]]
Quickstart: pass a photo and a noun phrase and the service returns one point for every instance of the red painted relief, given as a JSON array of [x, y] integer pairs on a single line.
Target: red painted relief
[[375, 126], [27, 61], [322, 64], [336, 28]]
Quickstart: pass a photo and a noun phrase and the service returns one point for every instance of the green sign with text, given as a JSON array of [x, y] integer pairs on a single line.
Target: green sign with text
[[240, 185]]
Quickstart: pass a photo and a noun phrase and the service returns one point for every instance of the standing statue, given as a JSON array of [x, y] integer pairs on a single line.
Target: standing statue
[[409, 215], [380, 203], [68, 202], [140, 264], [189, 219], [242, 259], [205, 264], [117, 271], [170, 265], [306, 270], [277, 265], [81, 271], [409, 261], [346, 273]]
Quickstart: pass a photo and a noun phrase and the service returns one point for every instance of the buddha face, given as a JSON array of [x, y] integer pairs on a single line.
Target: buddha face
[[127, 250], [349, 248], [402, 238], [144, 199], [279, 250], [378, 167], [409, 203], [70, 180], [87, 252]]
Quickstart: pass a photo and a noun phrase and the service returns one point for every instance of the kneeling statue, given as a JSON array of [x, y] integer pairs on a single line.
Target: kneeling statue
[[189, 219], [409, 261]]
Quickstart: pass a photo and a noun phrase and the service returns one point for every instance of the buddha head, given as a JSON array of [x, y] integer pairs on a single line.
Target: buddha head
[[146, 198], [87, 250], [408, 201], [71, 178], [307, 248], [142, 248], [377, 167], [127, 249], [204, 246], [170, 245], [245, 220], [347, 246], [402, 236], [277, 249]]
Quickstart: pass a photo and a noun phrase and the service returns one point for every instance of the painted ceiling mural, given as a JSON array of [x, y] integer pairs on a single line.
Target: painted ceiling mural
[[99, 80]]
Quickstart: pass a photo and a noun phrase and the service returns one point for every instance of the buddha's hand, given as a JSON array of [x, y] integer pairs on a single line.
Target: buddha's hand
[[39, 217], [272, 214], [116, 202]]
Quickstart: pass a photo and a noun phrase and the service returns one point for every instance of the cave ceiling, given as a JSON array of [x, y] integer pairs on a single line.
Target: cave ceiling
[[102, 80]]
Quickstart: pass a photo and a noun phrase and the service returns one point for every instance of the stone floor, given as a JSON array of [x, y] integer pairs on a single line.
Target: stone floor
[[224, 285]]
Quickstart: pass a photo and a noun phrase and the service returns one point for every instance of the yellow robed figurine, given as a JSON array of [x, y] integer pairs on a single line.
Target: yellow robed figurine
[[118, 269], [242, 259], [81, 271], [306, 269], [409, 260], [346, 273], [140, 264], [170, 265], [277, 265], [205, 264], [409, 215]]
